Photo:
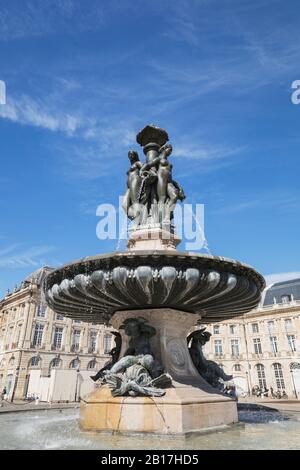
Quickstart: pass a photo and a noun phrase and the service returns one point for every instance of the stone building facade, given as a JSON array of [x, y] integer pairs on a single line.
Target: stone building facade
[[32, 336], [262, 348]]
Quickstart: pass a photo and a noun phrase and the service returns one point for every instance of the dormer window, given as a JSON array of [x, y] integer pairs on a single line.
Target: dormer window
[[285, 299]]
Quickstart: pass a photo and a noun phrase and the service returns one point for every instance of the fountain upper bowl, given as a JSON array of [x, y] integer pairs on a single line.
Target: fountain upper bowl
[[94, 288]]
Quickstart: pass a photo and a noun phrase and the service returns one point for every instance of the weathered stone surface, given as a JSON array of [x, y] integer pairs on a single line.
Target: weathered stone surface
[[184, 409], [152, 239]]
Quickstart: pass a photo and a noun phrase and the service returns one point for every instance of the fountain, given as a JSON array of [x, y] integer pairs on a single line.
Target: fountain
[[154, 296]]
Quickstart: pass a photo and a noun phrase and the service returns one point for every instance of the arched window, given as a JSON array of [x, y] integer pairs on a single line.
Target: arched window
[[34, 361], [55, 363], [92, 364], [74, 364], [279, 376], [261, 376]]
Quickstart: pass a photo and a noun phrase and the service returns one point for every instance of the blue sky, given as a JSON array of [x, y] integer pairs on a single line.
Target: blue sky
[[83, 77]]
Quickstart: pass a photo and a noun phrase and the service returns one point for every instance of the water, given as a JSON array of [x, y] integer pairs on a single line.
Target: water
[[53, 429], [205, 246]]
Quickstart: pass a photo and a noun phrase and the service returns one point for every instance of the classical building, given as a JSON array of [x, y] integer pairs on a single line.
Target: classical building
[[262, 348], [34, 337]]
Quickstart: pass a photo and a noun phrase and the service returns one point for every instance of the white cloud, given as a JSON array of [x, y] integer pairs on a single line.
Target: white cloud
[[204, 152], [282, 201], [279, 277], [27, 111], [14, 257]]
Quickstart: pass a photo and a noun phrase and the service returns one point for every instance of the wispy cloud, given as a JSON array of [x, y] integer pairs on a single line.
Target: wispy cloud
[[199, 152], [279, 277], [27, 111], [183, 25], [93, 142], [282, 201], [33, 18], [14, 256]]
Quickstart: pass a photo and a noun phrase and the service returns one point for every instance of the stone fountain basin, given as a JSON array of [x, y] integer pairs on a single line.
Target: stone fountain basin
[[94, 288]]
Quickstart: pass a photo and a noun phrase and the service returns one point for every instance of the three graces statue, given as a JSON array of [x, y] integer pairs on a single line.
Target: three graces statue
[[151, 193]]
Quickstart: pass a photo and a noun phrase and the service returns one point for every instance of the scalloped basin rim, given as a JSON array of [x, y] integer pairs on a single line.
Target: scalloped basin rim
[[94, 288], [159, 254]]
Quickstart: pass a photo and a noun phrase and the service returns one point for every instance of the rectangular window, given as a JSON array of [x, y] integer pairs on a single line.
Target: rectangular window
[[76, 340], [218, 347], [107, 344], [93, 342], [273, 340], [292, 342], [262, 383], [279, 376], [232, 329], [216, 329], [57, 339], [235, 349], [59, 317], [255, 328], [257, 346], [37, 335], [41, 311]]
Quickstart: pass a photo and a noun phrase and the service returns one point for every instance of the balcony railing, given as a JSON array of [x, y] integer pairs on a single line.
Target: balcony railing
[[92, 350], [75, 347], [56, 347]]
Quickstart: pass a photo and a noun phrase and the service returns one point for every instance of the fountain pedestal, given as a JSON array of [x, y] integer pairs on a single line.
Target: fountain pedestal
[[190, 405], [152, 238]]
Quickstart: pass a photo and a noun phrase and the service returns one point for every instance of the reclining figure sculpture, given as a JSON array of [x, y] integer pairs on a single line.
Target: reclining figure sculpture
[[137, 372], [209, 370]]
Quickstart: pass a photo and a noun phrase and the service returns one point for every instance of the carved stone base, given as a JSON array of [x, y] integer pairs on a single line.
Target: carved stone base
[[154, 238], [190, 405], [183, 410]]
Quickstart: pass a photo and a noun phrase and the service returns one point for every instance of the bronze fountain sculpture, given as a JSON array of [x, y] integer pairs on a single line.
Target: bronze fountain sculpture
[[153, 295]]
